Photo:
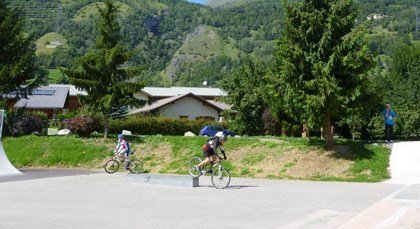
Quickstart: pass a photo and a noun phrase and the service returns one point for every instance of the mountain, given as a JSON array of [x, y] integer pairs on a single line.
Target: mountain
[[182, 43]]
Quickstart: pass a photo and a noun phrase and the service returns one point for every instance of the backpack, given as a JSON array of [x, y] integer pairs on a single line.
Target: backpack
[[128, 148], [206, 146]]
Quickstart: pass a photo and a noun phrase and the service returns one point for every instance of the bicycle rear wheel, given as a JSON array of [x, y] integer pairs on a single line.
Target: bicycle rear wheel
[[136, 166], [191, 167], [111, 166], [220, 178]]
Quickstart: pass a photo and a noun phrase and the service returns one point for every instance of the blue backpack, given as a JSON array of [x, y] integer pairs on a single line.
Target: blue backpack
[[129, 149]]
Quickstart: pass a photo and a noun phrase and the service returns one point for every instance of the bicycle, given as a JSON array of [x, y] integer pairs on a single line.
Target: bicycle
[[220, 177], [134, 165]]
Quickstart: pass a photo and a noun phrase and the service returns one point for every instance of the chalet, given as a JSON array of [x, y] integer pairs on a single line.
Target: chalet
[[153, 94], [52, 100], [184, 106]]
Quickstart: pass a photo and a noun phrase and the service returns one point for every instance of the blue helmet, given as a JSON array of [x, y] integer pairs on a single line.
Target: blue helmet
[[120, 136]]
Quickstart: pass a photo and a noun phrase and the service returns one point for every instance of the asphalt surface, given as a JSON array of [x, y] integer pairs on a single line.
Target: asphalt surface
[[100, 200], [63, 198]]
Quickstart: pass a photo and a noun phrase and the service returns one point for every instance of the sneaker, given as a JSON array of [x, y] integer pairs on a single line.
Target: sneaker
[[196, 168], [391, 141], [127, 165], [386, 141], [220, 176]]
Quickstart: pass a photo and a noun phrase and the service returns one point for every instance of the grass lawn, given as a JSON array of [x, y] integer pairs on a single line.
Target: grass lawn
[[254, 157], [54, 75]]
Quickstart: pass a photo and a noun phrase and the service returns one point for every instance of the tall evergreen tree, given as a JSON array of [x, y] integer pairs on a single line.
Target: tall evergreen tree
[[102, 72], [246, 94], [321, 61], [18, 72]]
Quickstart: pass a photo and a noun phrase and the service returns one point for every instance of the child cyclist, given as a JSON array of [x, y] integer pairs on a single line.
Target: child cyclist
[[122, 150], [210, 149]]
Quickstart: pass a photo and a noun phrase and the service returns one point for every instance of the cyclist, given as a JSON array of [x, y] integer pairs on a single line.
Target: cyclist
[[210, 150], [122, 150]]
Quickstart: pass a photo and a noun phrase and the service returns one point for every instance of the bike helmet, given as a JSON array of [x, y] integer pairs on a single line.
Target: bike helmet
[[120, 136], [222, 136]]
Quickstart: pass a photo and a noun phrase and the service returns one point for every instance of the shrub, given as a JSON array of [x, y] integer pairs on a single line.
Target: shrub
[[156, 125], [28, 123], [80, 125]]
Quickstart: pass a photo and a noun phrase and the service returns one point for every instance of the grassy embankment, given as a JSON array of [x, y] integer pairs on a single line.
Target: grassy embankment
[[277, 158]]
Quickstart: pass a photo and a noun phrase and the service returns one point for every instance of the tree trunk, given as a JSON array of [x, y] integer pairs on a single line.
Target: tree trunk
[[106, 123], [328, 134]]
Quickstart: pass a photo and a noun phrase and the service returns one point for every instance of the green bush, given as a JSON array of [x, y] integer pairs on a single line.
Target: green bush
[[145, 125]]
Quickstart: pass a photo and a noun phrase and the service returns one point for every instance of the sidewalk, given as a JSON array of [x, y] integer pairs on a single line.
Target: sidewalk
[[405, 163], [402, 208]]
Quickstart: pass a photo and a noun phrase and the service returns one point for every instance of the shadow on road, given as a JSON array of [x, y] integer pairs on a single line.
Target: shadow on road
[[230, 186], [39, 173]]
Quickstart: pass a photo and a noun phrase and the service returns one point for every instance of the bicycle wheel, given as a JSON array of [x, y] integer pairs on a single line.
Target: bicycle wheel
[[191, 167], [111, 166], [220, 178], [136, 166]]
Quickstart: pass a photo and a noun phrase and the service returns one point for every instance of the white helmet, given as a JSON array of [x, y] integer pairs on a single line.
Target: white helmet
[[221, 135]]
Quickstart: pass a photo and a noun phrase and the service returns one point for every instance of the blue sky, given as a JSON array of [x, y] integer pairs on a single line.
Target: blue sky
[[198, 1]]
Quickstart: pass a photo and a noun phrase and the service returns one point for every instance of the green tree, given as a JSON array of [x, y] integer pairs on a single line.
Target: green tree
[[402, 88], [18, 71], [102, 72], [246, 94], [321, 61]]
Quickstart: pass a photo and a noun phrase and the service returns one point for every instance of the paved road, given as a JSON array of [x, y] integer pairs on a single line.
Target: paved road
[[99, 200], [92, 199]]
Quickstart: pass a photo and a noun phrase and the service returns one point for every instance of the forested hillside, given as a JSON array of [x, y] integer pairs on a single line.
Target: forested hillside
[[180, 43]]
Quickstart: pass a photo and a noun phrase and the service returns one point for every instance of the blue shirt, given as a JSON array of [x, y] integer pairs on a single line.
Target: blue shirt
[[389, 116]]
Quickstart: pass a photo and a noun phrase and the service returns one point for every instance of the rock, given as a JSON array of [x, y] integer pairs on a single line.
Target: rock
[[126, 132], [64, 132], [52, 131], [189, 134]]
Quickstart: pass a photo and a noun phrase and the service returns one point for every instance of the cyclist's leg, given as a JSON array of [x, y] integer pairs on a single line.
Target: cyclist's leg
[[207, 156], [120, 156], [204, 162], [126, 159], [213, 159]]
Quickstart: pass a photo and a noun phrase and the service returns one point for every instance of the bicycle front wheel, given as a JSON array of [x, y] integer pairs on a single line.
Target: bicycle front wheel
[[191, 167], [111, 166], [136, 166], [220, 178]]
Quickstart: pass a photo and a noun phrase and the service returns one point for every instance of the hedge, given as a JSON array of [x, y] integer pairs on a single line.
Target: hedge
[[145, 125]]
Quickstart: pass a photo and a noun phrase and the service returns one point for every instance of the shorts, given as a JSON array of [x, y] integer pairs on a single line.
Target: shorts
[[126, 153], [208, 153]]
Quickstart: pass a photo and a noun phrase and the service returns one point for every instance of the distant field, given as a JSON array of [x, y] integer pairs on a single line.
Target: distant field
[[54, 75], [201, 45], [47, 43], [90, 10]]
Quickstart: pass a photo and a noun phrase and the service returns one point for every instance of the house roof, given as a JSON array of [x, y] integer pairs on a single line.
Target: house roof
[[174, 91], [73, 91], [45, 97], [223, 106], [163, 102]]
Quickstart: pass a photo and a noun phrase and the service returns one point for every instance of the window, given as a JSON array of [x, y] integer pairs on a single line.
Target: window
[[43, 92]]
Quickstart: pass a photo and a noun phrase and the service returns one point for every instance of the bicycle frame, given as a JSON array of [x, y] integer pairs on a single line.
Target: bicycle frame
[[217, 164]]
